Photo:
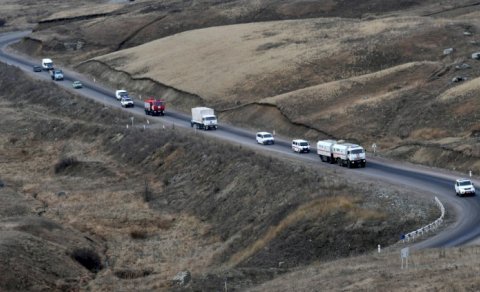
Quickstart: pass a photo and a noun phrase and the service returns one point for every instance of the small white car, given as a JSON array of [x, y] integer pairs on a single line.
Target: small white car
[[300, 146], [265, 138], [464, 187], [127, 102], [121, 93]]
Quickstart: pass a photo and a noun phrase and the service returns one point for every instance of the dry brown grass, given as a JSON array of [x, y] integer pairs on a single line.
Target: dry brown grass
[[190, 222], [453, 269], [461, 91], [314, 209], [85, 10], [241, 58]]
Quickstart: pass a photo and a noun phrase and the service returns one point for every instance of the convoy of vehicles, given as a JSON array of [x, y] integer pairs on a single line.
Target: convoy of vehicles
[[300, 146], [344, 154], [464, 187], [203, 118], [265, 138], [154, 106]]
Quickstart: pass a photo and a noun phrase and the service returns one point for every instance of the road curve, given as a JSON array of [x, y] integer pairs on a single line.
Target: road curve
[[426, 181]]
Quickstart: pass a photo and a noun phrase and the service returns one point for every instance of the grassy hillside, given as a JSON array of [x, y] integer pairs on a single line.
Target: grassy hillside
[[140, 206], [454, 269], [382, 81], [300, 67]]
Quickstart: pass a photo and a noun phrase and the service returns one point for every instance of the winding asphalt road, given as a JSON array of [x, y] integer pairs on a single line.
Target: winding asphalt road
[[426, 181]]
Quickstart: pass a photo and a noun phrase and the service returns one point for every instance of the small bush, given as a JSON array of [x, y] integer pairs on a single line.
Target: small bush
[[132, 274], [65, 163], [2, 22], [139, 234], [88, 258]]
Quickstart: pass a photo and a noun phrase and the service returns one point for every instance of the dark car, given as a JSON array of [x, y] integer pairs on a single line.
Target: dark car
[[37, 68]]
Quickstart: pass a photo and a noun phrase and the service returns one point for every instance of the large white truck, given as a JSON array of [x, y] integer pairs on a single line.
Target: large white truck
[[344, 154], [203, 118], [47, 64], [325, 150]]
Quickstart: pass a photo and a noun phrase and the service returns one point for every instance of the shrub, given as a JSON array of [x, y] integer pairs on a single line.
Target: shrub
[[2, 22], [138, 234], [132, 274], [65, 163]]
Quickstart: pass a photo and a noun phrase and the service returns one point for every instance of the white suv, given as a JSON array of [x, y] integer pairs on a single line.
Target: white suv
[[299, 145], [126, 102], [265, 138], [464, 187]]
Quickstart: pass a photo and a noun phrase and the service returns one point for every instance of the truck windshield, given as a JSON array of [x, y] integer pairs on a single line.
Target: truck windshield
[[357, 151], [158, 103], [210, 119], [465, 183], [303, 144]]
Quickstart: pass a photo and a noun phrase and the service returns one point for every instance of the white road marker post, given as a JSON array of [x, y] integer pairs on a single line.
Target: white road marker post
[[379, 249], [404, 255], [470, 173]]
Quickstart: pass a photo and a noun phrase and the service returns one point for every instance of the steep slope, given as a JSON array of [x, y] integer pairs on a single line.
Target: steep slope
[[93, 205]]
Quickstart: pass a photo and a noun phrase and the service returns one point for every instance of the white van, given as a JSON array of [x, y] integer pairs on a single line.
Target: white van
[[265, 138], [299, 145], [47, 64]]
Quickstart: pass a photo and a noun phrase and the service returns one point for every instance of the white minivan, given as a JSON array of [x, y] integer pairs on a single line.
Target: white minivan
[[299, 145], [265, 138]]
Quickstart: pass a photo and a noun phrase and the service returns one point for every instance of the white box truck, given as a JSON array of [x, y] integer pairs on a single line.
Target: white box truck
[[325, 151], [203, 118], [344, 154], [47, 64]]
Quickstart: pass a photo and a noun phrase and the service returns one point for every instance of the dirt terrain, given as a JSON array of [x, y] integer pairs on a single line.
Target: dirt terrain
[[92, 205]]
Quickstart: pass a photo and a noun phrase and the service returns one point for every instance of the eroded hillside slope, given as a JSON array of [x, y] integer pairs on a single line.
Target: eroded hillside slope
[[384, 81], [96, 206]]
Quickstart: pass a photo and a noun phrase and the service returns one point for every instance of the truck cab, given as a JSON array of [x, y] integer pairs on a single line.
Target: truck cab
[[47, 64], [350, 155]]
